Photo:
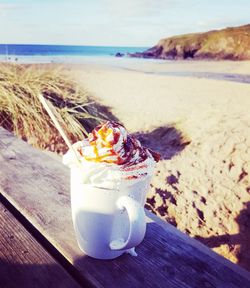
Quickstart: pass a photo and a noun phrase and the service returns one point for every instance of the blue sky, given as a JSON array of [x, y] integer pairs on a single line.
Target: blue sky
[[114, 22]]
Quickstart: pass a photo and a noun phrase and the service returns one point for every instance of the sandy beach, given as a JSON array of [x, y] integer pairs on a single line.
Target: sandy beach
[[195, 114], [201, 127]]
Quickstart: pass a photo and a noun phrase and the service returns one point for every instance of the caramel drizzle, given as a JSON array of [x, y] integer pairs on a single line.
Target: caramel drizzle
[[129, 147]]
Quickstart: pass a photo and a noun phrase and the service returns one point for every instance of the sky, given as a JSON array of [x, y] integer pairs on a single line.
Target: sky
[[114, 22]]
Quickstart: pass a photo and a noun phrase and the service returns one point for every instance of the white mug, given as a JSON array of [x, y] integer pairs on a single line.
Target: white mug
[[108, 222]]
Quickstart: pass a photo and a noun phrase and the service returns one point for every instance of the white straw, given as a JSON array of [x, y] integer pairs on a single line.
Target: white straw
[[57, 125]]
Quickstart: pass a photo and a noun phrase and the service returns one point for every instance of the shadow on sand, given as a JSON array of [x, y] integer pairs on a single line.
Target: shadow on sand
[[239, 242], [166, 140]]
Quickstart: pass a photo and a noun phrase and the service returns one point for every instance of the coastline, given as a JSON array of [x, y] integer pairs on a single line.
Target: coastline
[[236, 71]]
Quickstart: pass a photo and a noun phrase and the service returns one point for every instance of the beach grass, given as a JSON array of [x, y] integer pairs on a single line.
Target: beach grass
[[22, 113]]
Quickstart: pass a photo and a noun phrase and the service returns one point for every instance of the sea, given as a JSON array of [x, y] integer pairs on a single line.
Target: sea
[[24, 53], [106, 55]]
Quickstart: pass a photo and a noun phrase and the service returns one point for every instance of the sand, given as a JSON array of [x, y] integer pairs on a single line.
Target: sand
[[201, 127]]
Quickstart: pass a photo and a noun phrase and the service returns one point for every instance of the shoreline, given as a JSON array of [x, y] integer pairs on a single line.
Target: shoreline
[[206, 75], [233, 71]]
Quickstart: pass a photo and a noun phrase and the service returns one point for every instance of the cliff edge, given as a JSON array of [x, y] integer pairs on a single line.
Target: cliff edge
[[227, 44]]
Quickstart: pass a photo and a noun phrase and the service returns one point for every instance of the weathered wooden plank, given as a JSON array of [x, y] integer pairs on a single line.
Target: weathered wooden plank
[[39, 187], [23, 261]]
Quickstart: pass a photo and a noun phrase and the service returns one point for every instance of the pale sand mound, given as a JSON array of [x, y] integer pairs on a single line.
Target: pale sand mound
[[205, 189], [202, 183]]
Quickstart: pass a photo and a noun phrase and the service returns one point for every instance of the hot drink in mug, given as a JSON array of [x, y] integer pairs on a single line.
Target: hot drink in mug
[[108, 190]]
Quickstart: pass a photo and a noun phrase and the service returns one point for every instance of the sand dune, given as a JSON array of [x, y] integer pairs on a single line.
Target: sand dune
[[202, 129]]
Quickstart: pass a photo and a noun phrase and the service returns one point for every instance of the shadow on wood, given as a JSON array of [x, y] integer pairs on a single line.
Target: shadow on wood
[[29, 275], [166, 257], [176, 264]]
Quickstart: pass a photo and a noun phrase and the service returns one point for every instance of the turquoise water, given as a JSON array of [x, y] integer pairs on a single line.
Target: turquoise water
[[23, 53], [50, 50]]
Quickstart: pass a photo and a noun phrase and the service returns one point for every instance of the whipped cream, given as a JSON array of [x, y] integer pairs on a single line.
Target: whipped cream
[[110, 155]]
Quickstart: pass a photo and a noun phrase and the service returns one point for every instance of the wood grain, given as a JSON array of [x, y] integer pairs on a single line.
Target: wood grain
[[39, 187], [23, 261]]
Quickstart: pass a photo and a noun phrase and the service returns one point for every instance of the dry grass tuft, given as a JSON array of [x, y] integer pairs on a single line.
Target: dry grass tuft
[[22, 112]]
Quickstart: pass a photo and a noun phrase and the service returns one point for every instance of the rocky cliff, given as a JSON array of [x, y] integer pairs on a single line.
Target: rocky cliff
[[229, 44]]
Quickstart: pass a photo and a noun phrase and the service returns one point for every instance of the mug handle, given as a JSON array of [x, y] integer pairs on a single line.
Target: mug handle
[[137, 222]]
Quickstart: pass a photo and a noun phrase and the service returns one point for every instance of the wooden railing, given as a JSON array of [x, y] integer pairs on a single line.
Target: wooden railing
[[38, 246]]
